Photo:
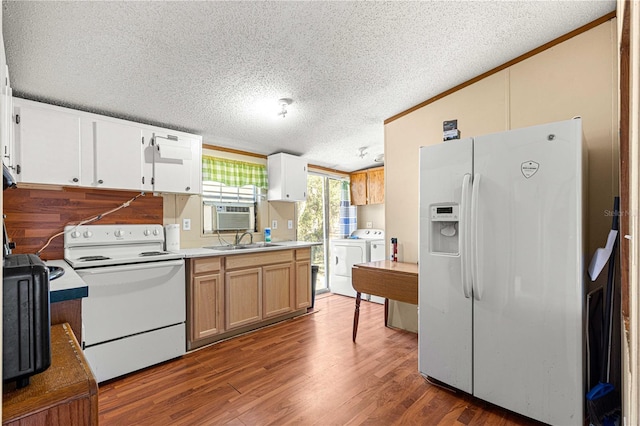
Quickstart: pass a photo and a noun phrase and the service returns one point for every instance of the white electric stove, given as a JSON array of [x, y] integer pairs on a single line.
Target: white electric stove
[[134, 315]]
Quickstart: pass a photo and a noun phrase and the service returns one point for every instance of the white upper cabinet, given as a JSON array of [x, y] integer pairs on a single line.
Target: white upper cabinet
[[47, 143], [287, 177], [177, 163], [115, 151], [62, 146]]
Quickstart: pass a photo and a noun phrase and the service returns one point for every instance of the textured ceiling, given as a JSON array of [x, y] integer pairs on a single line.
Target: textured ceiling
[[218, 68]]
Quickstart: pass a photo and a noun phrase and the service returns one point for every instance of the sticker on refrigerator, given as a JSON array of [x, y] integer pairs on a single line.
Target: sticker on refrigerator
[[529, 168]]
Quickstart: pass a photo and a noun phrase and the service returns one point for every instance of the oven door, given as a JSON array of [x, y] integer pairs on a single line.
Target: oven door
[[125, 300]]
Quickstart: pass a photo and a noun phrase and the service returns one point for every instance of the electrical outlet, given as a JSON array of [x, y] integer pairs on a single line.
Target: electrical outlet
[[290, 224], [186, 224], [369, 225], [274, 224]]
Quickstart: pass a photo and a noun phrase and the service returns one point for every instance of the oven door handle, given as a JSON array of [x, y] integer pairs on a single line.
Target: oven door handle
[[130, 267]]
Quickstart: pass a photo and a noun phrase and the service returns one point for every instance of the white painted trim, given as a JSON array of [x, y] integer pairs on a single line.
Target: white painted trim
[[631, 355]]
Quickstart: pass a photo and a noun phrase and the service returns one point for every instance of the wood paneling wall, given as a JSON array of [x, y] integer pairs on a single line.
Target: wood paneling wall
[[35, 215]]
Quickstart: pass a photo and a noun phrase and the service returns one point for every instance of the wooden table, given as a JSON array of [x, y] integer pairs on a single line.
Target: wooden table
[[384, 278], [64, 394]]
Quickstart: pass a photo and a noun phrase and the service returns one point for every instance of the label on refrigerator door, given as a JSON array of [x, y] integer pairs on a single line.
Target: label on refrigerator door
[[529, 168]]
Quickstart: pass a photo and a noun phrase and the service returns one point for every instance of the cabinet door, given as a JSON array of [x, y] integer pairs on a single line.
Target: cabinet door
[[206, 306], [375, 186], [358, 187], [47, 142], [277, 290], [117, 160], [287, 178], [303, 284], [295, 178], [243, 297], [177, 164]]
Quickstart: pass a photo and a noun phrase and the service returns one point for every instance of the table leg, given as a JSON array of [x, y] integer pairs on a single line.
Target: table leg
[[356, 316], [386, 311]]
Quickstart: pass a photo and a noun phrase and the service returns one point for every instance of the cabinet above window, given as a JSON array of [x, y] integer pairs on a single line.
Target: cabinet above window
[[287, 177]]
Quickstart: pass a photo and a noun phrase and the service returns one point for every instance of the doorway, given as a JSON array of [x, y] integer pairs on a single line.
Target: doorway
[[319, 221]]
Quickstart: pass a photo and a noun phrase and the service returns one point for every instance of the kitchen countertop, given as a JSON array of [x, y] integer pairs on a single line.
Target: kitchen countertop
[[67, 287], [280, 245], [70, 286]]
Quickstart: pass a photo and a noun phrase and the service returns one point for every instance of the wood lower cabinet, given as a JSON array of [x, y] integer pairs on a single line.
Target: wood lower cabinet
[[303, 278], [243, 297], [206, 298], [277, 290], [228, 295]]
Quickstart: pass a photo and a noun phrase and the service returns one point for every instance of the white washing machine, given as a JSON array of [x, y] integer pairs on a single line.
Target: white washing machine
[[346, 252]]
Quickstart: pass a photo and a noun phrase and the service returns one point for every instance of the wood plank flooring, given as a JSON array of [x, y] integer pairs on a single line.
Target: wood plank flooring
[[303, 371]]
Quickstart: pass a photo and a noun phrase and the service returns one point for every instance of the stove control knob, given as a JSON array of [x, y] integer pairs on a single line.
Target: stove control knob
[[156, 232], [88, 234], [119, 233], [75, 234], [147, 232]]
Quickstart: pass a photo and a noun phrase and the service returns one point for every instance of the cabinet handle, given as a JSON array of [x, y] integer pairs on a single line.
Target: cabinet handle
[[75, 179], [143, 180], [100, 181], [187, 188]]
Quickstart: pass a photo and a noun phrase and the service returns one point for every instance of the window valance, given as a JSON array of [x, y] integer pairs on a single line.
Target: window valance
[[234, 173]]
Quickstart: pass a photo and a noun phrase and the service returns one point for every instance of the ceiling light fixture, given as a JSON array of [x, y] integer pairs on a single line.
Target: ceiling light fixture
[[284, 103], [379, 158]]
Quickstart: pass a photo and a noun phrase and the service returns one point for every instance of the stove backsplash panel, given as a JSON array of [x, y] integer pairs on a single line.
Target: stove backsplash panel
[[34, 215]]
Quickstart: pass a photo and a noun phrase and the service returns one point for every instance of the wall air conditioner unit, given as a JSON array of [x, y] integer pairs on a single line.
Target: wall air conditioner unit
[[230, 217]]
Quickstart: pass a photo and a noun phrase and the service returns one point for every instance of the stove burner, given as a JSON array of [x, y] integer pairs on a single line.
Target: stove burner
[[92, 258], [152, 253]]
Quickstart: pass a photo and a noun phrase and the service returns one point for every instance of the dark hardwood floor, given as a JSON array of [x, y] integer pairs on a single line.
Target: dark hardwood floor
[[302, 371]]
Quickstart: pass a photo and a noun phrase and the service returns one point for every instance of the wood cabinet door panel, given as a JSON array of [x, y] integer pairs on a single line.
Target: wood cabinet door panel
[[206, 264], [358, 187], [303, 285], [277, 290], [375, 184], [243, 297], [206, 311]]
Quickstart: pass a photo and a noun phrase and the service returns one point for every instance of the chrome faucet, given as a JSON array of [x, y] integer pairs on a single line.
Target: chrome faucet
[[238, 239]]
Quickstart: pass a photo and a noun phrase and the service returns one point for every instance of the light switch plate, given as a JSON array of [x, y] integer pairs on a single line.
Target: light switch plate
[[274, 224], [186, 224], [369, 225], [290, 224]]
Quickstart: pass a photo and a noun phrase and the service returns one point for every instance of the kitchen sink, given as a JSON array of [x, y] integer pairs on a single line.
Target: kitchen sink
[[242, 246]]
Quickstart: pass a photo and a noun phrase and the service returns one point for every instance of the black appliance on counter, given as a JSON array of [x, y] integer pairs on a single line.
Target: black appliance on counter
[[26, 327]]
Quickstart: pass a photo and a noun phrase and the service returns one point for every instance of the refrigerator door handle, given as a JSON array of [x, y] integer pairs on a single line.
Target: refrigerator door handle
[[475, 275], [464, 236]]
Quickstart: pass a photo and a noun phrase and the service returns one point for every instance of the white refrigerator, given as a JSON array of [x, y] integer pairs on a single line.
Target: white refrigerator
[[501, 269]]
